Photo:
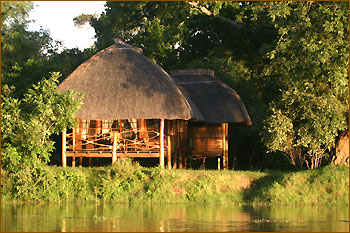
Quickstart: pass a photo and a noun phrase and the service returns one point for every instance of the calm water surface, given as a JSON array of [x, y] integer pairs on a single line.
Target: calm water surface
[[139, 217]]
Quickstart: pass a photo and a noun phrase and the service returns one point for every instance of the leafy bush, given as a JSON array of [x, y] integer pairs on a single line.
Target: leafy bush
[[28, 123], [120, 182]]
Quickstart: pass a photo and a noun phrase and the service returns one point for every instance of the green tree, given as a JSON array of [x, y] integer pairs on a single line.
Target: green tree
[[157, 27], [175, 33], [310, 60], [31, 113], [68, 60], [28, 123], [24, 54]]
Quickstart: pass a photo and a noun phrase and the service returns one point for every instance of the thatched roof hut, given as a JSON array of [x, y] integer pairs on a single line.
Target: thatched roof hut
[[217, 102], [121, 83]]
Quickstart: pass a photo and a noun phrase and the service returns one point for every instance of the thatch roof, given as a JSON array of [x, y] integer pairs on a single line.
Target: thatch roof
[[121, 83], [216, 101]]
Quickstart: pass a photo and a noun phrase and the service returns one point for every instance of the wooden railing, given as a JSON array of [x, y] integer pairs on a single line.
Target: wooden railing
[[114, 140]]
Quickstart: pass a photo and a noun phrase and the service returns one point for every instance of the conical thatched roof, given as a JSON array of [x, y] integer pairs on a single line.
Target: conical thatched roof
[[216, 101], [121, 83]]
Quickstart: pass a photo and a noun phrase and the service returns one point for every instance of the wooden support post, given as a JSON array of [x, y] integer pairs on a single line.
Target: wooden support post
[[63, 226], [73, 158], [223, 144], [203, 163], [98, 127], [78, 131], [180, 162], [90, 161], [175, 161], [161, 141], [169, 152], [185, 162], [73, 139], [226, 146], [219, 163], [80, 161], [114, 156], [178, 146], [64, 141]]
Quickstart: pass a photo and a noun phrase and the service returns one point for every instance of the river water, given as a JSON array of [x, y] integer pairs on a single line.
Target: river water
[[139, 217]]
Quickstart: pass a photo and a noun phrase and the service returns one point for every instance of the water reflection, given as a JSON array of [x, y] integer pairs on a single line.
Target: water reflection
[[165, 218]]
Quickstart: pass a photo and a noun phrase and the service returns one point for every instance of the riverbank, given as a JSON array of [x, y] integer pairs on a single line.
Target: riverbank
[[127, 183]]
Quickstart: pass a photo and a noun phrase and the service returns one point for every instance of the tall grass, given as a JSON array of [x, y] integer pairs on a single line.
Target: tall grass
[[323, 185], [127, 183]]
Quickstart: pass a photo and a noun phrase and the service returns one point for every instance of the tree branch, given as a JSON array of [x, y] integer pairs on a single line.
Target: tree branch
[[209, 13], [265, 29]]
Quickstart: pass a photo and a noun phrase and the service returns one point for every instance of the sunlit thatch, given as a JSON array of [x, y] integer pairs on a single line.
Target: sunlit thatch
[[121, 83]]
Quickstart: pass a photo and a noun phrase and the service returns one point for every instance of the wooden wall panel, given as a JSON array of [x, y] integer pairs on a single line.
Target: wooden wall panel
[[206, 146], [205, 139], [206, 131]]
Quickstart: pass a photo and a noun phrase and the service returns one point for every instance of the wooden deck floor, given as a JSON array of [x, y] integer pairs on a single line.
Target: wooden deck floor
[[109, 154]]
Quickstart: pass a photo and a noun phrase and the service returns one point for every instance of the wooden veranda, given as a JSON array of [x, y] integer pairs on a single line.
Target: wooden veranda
[[107, 140]]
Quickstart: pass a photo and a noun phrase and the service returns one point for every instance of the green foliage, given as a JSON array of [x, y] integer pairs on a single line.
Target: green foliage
[[310, 61], [174, 40], [323, 185], [159, 187], [37, 182], [69, 59], [13, 25], [128, 183], [28, 56], [28, 123], [14, 12], [17, 43], [24, 54], [154, 26], [22, 75], [120, 182], [83, 19]]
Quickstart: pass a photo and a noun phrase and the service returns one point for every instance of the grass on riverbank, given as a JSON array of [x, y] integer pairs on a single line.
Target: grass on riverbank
[[125, 183]]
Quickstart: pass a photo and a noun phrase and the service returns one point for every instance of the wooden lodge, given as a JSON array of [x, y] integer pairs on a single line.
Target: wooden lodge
[[133, 108]]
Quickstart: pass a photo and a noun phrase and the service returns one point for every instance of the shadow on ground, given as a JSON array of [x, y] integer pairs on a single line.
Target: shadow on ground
[[259, 189]]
